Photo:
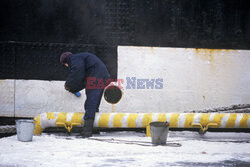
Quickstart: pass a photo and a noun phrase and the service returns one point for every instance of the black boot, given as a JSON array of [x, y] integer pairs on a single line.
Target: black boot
[[88, 128]]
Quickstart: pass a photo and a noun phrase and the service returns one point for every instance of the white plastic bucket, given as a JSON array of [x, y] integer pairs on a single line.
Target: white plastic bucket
[[25, 129]]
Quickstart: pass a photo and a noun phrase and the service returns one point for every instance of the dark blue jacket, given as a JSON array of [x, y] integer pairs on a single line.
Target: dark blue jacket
[[83, 65]]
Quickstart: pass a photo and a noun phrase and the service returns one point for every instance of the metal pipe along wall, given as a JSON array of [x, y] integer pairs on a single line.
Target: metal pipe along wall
[[142, 120]]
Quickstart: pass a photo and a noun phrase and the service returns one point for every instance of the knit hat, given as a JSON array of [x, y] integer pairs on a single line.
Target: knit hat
[[64, 57]]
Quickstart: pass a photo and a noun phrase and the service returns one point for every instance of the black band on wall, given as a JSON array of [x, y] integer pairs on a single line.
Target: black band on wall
[[33, 34], [41, 60]]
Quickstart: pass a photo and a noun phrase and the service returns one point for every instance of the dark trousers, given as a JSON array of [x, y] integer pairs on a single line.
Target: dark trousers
[[94, 96], [92, 102]]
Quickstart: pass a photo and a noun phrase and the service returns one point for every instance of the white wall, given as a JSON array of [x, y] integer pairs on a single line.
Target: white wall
[[7, 98], [192, 79]]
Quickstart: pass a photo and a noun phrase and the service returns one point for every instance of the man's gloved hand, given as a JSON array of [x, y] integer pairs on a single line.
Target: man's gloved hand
[[65, 86], [77, 94]]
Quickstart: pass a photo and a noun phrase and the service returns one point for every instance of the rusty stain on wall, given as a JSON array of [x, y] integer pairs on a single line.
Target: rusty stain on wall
[[152, 49], [209, 54], [2, 81]]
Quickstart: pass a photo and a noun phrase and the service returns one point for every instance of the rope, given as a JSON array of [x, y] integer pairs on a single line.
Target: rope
[[240, 108]]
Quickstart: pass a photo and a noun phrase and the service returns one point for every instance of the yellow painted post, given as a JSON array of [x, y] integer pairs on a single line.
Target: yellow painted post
[[38, 129], [148, 132]]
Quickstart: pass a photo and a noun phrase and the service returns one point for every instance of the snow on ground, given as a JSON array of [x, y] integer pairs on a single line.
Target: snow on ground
[[52, 150]]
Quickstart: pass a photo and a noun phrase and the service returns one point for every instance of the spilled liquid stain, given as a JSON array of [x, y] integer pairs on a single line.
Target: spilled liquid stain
[[204, 97]]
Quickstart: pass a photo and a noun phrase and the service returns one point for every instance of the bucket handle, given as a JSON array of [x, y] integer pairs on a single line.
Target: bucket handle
[[166, 124]]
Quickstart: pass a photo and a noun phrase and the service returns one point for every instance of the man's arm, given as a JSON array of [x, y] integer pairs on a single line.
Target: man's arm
[[76, 79]]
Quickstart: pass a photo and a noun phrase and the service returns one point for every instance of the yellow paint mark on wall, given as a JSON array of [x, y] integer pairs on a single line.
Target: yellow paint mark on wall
[[131, 120], [51, 115], [162, 117], [174, 120], [104, 120], [204, 119], [217, 119], [206, 54], [243, 121], [231, 121], [189, 120], [117, 120], [147, 118]]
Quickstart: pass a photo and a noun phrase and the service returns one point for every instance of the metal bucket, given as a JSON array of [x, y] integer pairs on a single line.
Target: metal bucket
[[25, 129], [159, 132]]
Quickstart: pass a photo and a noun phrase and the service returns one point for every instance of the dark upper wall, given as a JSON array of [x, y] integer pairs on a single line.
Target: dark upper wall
[[34, 33]]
